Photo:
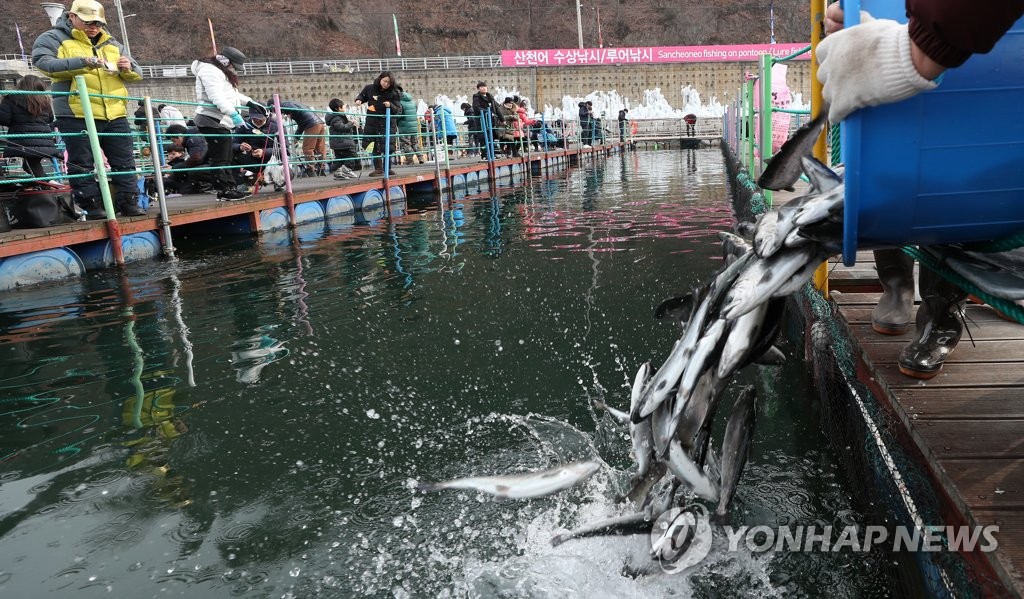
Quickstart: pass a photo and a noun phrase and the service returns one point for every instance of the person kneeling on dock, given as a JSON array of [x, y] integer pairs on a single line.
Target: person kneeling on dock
[[181, 179], [254, 143]]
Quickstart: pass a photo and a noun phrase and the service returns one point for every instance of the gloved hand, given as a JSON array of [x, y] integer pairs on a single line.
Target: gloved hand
[[867, 65], [237, 120]]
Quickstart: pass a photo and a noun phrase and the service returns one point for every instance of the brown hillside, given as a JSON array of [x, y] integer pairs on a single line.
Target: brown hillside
[[174, 31]]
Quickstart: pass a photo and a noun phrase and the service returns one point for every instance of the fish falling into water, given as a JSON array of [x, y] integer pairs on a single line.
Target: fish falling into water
[[728, 323]]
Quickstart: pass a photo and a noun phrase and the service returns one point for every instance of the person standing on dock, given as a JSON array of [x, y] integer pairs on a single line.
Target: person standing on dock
[[217, 115], [622, 125], [484, 103], [882, 61], [314, 130], [380, 96], [79, 45], [586, 125]]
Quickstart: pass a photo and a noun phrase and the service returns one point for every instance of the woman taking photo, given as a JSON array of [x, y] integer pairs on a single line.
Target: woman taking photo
[[380, 96]]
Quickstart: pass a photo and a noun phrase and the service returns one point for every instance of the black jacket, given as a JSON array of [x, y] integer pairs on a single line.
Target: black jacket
[[584, 112], [304, 116], [265, 138], [195, 147], [342, 131], [482, 102], [15, 116], [374, 97]]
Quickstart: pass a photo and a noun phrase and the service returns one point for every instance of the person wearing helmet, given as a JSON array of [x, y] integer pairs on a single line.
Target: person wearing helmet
[[79, 44], [217, 115]]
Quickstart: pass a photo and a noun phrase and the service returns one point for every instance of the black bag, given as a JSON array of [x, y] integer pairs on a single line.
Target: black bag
[[38, 206]]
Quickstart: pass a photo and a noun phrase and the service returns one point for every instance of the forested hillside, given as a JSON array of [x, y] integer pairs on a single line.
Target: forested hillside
[[173, 31]]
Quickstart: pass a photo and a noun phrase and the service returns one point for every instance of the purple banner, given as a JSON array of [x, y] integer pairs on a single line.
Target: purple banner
[[646, 55]]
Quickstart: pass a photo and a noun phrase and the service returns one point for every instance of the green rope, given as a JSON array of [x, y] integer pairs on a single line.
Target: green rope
[[999, 245], [1007, 307]]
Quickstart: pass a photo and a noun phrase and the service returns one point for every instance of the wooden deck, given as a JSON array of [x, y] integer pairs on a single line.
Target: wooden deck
[[968, 422], [184, 210]]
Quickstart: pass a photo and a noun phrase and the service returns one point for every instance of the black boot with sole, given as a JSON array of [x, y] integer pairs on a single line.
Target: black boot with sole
[[939, 325], [896, 274]]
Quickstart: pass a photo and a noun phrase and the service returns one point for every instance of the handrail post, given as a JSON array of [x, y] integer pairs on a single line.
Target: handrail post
[[765, 119], [282, 141], [158, 177], [387, 157], [748, 125], [113, 230], [432, 132]]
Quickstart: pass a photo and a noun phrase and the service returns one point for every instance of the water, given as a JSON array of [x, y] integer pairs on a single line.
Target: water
[[292, 395]]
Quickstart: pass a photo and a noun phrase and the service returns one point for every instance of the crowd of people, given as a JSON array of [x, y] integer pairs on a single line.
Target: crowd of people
[[231, 138]]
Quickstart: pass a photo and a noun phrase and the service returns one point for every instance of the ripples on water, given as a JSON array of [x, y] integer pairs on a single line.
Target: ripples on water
[[250, 420]]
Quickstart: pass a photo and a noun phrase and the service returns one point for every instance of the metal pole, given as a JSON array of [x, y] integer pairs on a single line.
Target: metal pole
[[765, 119], [579, 23], [600, 40], [124, 32], [437, 163], [282, 142], [158, 178]]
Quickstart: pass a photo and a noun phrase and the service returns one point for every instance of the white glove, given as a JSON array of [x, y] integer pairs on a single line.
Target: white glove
[[867, 65]]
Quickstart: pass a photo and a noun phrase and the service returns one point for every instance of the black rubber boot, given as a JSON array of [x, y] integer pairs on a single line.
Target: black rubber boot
[[939, 326], [896, 274], [128, 205]]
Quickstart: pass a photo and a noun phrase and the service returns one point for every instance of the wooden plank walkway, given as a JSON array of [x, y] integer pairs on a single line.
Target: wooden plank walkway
[[191, 209], [968, 421]]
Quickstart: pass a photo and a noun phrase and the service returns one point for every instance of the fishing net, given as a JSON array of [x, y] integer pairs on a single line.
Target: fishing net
[[889, 478]]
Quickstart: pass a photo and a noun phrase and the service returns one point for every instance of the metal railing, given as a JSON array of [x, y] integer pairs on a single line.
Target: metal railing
[[675, 128]]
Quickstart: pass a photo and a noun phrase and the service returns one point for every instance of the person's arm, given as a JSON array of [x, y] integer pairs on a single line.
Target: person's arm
[[217, 88], [945, 33], [127, 69], [44, 58]]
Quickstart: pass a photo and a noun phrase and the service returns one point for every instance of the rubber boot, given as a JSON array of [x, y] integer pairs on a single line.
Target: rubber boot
[[127, 204], [896, 274], [939, 326]]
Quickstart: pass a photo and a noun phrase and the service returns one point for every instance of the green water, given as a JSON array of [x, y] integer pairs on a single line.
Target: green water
[[292, 394]]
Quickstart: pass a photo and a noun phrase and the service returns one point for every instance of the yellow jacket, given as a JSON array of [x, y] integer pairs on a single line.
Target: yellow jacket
[[60, 53]]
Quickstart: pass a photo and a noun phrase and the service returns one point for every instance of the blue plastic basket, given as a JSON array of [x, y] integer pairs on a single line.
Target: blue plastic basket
[[945, 166]]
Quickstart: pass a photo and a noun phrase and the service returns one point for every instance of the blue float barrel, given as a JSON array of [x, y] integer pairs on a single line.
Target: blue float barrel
[[36, 267]]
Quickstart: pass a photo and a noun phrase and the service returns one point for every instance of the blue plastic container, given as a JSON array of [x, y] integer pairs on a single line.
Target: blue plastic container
[[36, 267], [97, 255], [943, 166], [368, 200], [397, 192], [472, 182], [308, 212], [273, 218], [339, 205]]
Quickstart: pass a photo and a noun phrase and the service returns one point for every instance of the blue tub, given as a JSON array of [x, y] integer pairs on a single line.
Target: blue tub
[[96, 255], [36, 267], [397, 192], [338, 206], [943, 166], [472, 182], [368, 200]]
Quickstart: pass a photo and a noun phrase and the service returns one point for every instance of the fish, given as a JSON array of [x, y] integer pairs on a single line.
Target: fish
[[744, 332], [640, 433], [733, 246], [739, 430], [619, 416], [800, 277], [663, 426], [820, 207], [1000, 274], [659, 500], [785, 167], [642, 485], [765, 276], [702, 407], [678, 308], [522, 486], [689, 473], [629, 524], [700, 361], [822, 178]]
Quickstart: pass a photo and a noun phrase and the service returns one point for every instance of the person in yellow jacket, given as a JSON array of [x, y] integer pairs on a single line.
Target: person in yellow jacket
[[80, 45]]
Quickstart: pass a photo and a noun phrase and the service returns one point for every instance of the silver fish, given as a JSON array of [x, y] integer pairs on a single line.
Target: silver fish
[[822, 178], [801, 276], [640, 434], [733, 246], [739, 430], [701, 409], [659, 500], [700, 361], [760, 281], [662, 427], [522, 486], [820, 207], [620, 416], [689, 473], [642, 485], [630, 524], [742, 334], [785, 167], [766, 234]]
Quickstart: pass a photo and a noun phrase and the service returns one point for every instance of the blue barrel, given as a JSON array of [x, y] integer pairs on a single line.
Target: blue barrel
[[472, 182], [422, 186], [502, 172], [36, 267], [96, 255], [397, 192], [920, 171], [311, 231], [340, 222], [339, 205], [273, 218], [368, 199], [309, 212]]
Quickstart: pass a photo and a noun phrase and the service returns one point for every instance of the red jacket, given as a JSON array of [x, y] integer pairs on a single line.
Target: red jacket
[[949, 31]]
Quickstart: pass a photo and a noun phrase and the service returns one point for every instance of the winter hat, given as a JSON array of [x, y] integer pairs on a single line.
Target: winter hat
[[233, 55]]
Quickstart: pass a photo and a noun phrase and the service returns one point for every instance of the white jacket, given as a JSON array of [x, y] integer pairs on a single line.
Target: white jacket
[[171, 116], [212, 87]]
